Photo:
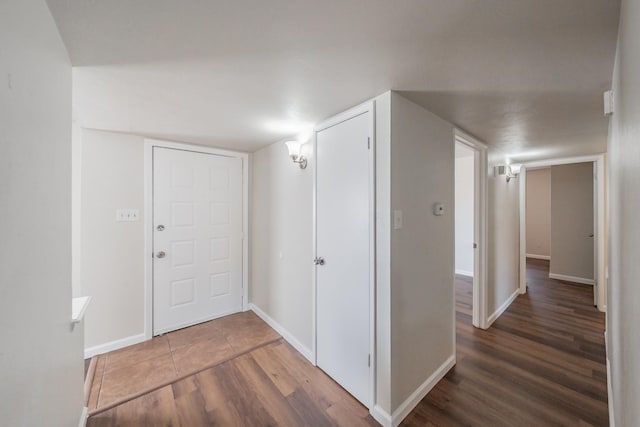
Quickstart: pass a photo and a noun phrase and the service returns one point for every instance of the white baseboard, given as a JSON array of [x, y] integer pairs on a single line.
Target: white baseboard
[[83, 417], [612, 417], [113, 345], [412, 401], [282, 331], [572, 279], [381, 416], [503, 307], [535, 256], [464, 272]]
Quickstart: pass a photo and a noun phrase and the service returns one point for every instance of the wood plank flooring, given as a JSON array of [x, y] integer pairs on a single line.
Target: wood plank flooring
[[271, 385], [542, 363]]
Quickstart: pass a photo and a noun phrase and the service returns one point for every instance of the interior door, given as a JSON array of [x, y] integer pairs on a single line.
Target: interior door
[[197, 237], [343, 254]]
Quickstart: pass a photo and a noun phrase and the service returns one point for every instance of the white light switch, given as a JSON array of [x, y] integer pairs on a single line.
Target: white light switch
[[397, 219], [127, 215]]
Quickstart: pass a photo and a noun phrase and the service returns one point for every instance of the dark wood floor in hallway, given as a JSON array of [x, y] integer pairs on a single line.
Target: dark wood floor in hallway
[[542, 363]]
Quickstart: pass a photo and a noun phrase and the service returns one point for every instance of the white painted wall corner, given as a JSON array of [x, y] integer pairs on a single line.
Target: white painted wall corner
[[282, 331], [503, 307], [412, 401]]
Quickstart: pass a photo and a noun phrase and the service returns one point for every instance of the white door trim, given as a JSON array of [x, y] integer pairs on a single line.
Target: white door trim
[[349, 114], [479, 309], [148, 220], [599, 232]]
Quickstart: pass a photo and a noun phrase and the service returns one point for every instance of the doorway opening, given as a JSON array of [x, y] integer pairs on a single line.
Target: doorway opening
[[471, 225], [465, 244], [562, 222]]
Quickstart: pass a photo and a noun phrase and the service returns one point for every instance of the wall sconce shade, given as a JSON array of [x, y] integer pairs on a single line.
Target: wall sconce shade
[[295, 148], [504, 170]]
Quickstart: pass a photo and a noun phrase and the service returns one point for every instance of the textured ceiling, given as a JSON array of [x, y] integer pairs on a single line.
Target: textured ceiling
[[525, 76]]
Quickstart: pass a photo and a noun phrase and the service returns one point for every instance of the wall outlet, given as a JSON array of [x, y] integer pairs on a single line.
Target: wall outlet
[[127, 215], [397, 220]]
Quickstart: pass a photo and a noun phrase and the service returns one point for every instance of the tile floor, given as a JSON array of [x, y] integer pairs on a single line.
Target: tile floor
[[135, 369]]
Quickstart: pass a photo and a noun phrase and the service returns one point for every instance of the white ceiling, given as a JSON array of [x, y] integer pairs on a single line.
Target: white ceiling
[[525, 76]]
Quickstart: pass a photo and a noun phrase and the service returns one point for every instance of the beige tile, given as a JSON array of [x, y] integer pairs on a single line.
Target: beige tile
[[243, 338], [193, 334], [192, 358], [135, 378], [137, 353]]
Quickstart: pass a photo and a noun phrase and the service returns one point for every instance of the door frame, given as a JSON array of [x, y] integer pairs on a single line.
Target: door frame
[[599, 219], [149, 144], [367, 107], [479, 309]]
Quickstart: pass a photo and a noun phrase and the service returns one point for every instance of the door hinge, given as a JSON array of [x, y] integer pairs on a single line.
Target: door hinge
[[368, 143], [369, 360]]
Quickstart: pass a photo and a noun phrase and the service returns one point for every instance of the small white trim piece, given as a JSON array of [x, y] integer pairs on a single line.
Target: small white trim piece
[[78, 307], [84, 415], [612, 417], [113, 345], [503, 307], [282, 331], [380, 415], [464, 273], [535, 256], [572, 279], [412, 401]]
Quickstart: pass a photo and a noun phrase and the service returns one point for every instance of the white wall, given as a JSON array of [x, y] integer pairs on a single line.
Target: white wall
[[538, 214], [41, 368], [281, 239], [623, 300], [503, 236], [572, 221], [112, 259], [422, 252], [464, 210]]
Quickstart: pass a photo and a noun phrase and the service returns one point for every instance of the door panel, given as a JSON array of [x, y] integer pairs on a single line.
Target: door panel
[[343, 241], [197, 198]]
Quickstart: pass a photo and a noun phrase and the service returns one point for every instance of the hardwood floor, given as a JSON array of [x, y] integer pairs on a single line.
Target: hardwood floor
[[542, 363], [271, 385]]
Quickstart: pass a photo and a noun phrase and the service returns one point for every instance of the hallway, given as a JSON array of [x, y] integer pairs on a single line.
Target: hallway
[[541, 363]]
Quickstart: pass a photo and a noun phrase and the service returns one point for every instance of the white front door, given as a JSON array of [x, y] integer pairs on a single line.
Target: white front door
[[197, 237], [343, 233]]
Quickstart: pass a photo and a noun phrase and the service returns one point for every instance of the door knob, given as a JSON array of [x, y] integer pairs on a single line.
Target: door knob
[[318, 261], [160, 227], [160, 254], [591, 235]]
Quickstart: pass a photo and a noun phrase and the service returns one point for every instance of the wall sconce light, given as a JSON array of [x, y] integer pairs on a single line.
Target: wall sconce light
[[294, 148], [505, 170]]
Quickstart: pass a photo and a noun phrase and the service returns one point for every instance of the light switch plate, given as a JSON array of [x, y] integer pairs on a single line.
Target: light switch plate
[[127, 215]]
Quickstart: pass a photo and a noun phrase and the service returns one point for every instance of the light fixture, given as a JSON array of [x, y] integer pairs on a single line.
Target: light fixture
[[294, 148], [505, 170]]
